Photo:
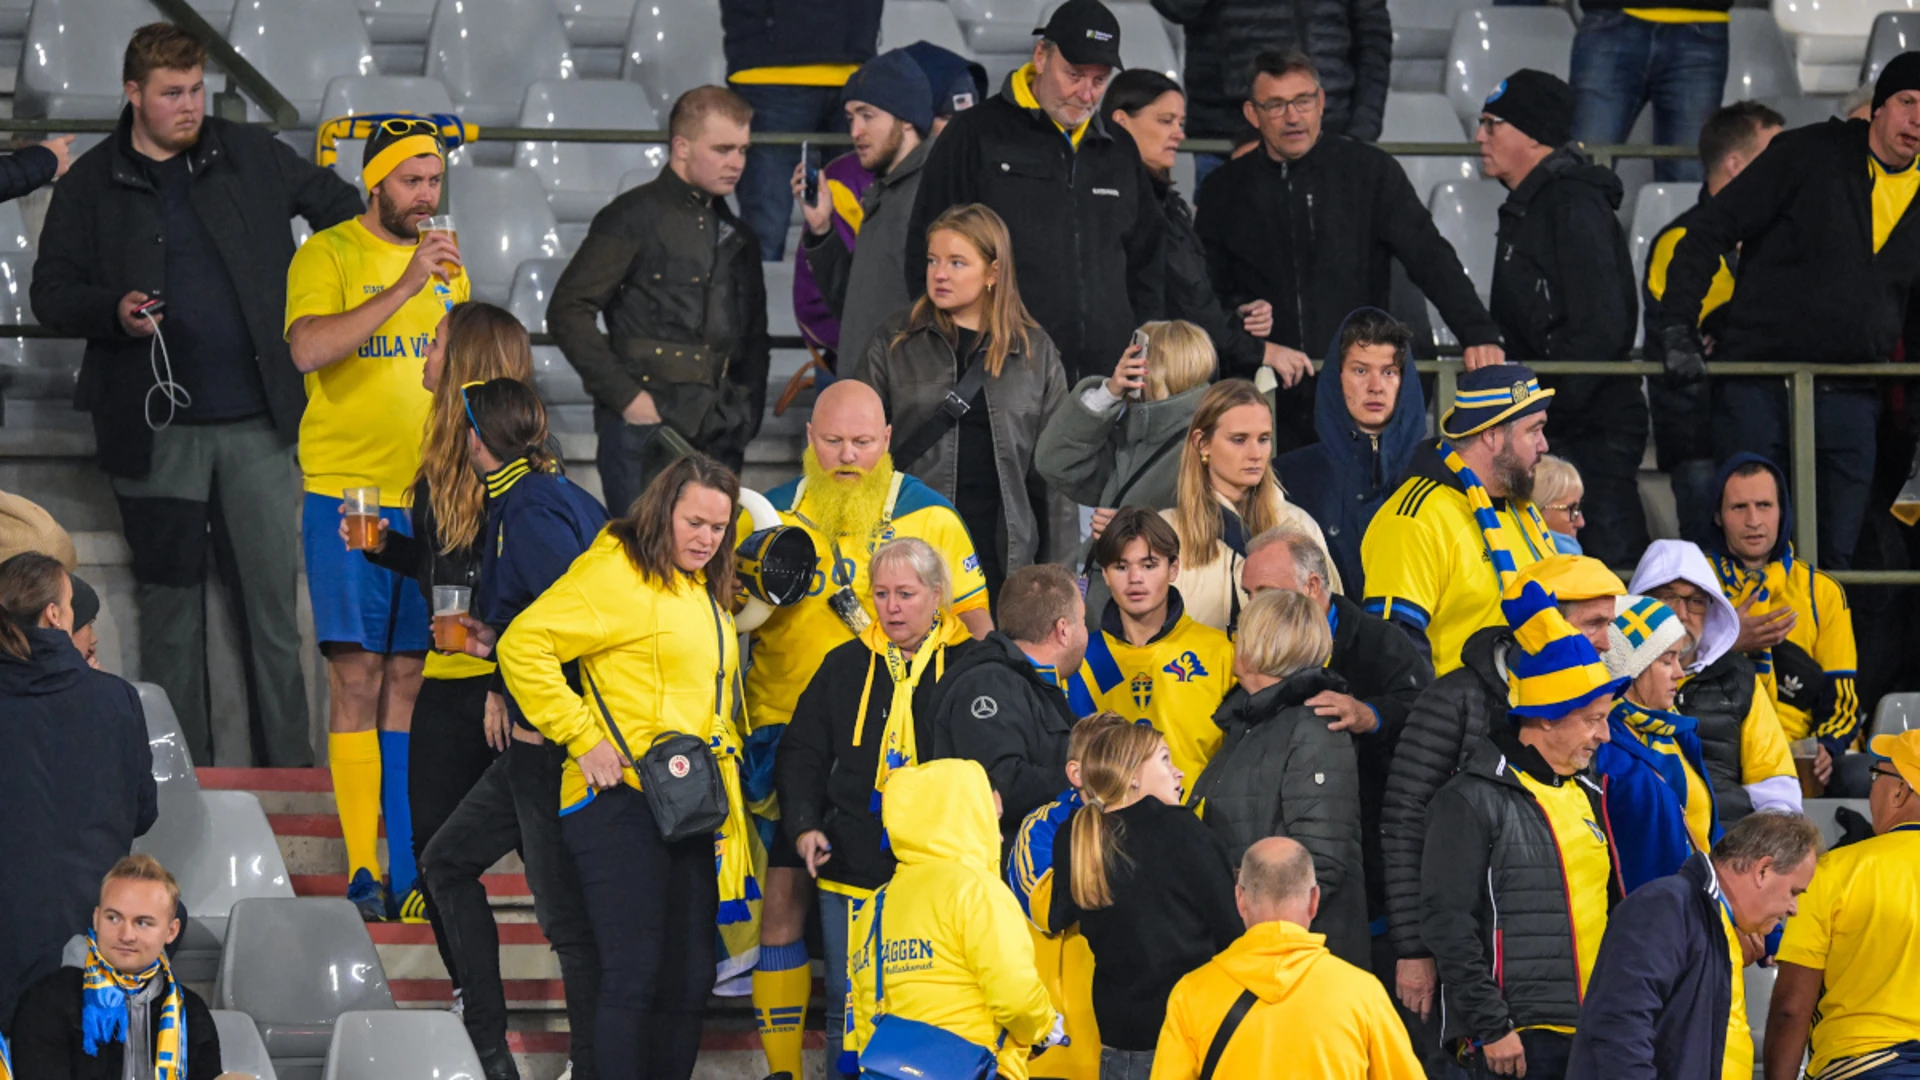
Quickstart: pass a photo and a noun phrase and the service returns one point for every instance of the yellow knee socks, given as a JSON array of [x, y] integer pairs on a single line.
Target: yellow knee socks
[[354, 757], [782, 982]]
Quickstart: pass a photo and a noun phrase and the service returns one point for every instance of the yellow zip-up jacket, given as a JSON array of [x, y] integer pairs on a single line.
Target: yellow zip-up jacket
[[955, 944], [663, 658], [1315, 1015]]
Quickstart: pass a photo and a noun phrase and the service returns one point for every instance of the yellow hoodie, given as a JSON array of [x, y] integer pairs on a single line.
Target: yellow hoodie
[[958, 954], [663, 659], [1317, 1015]]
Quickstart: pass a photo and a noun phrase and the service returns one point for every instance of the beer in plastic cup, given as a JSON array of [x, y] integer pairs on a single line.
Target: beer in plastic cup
[[363, 518], [1804, 752], [441, 223], [449, 603]]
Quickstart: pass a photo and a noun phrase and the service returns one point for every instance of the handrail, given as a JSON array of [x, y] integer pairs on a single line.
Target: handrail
[[280, 112]]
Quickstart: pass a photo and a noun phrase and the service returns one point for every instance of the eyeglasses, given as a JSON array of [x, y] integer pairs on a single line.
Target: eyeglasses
[[1697, 603], [1572, 509], [1879, 772], [1488, 123], [1304, 105]]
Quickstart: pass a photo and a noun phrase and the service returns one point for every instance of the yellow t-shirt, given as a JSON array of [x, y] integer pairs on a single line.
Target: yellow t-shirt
[[1677, 15], [1174, 683], [1764, 753], [366, 414], [1738, 1063], [788, 647], [1719, 290], [1859, 924], [796, 75], [1584, 859], [1892, 194]]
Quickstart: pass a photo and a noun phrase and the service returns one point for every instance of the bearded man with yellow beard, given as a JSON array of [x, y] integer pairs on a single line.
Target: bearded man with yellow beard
[[850, 500]]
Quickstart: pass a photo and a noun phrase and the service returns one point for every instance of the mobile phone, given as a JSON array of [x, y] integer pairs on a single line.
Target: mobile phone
[[810, 179], [153, 306], [1139, 342]]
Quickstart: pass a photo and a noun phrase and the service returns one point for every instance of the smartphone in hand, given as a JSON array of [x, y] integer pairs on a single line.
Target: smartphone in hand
[[810, 180], [1139, 342]]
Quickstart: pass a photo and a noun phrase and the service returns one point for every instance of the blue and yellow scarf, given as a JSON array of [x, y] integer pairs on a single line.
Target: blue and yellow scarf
[[103, 1011], [898, 745], [1532, 530], [1658, 731], [1737, 584]]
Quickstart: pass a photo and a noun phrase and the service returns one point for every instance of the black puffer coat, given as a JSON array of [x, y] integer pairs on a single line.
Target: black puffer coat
[[1493, 896], [1280, 772], [1720, 698], [1447, 721], [1350, 41]]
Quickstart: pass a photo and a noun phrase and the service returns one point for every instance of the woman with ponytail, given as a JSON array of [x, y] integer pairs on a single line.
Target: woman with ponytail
[[1149, 885], [76, 773]]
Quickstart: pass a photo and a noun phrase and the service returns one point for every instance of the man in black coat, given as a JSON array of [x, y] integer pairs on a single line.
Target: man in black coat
[[1311, 222], [1088, 235], [1662, 990], [1563, 289], [1829, 250], [194, 211], [1004, 704], [34, 167]]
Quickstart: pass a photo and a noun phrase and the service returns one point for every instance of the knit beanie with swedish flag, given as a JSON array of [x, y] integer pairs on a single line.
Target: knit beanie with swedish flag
[[1555, 670]]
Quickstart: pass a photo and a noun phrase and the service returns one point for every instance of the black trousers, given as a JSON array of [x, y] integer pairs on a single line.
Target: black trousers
[[1547, 1054], [516, 804], [448, 752], [653, 906]]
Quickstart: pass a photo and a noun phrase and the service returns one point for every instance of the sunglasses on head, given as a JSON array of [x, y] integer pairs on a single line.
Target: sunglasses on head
[[468, 403]]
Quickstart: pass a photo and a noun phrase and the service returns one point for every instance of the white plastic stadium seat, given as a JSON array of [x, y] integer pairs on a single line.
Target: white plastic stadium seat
[[1896, 713], [1467, 213], [1829, 38], [998, 26], [294, 965], [903, 22], [504, 219], [1144, 42], [391, 1044], [1490, 44], [1422, 29], [533, 283], [1656, 206], [1414, 117], [70, 60], [596, 22], [358, 95], [1759, 999], [1822, 813], [1803, 109], [33, 368], [241, 1050], [581, 177], [487, 51], [397, 22], [1894, 32], [1758, 62], [222, 851], [299, 45], [172, 763], [672, 48], [13, 17]]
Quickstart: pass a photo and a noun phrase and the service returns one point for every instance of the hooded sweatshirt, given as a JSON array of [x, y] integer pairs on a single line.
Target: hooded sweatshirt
[[1314, 1015], [1810, 676], [1345, 477], [955, 945]]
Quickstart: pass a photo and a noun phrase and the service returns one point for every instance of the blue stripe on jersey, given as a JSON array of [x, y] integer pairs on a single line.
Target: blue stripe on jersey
[[1079, 698], [1100, 661]]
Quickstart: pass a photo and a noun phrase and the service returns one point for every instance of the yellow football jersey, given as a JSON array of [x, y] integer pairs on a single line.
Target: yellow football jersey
[[1174, 682]]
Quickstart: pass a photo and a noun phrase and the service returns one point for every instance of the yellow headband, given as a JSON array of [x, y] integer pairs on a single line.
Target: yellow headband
[[389, 159]]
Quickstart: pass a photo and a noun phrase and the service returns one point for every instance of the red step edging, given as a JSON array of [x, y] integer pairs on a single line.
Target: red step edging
[[509, 885], [393, 933], [320, 825], [299, 780]]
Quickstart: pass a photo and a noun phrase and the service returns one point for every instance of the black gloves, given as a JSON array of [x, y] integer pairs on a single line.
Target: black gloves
[[1677, 348]]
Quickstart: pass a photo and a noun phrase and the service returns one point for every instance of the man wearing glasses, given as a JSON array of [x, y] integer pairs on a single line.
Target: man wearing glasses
[[1849, 956], [1311, 222]]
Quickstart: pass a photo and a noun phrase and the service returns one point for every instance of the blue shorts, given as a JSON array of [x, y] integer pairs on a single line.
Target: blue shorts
[[354, 601]]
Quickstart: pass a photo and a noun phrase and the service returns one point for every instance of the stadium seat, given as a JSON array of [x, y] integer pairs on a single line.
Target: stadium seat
[[487, 51], [1412, 117], [998, 26], [1759, 999], [533, 284], [1656, 205], [76, 47], [172, 764], [1422, 29], [1896, 713], [358, 95], [397, 22], [780, 317], [1821, 811], [300, 45], [13, 17], [294, 965], [596, 23], [1758, 63], [1490, 44], [903, 22], [390, 1044], [1828, 38], [222, 851], [33, 368], [672, 48], [1803, 109], [241, 1050], [504, 219], [1467, 213], [1144, 42], [580, 177], [1894, 32]]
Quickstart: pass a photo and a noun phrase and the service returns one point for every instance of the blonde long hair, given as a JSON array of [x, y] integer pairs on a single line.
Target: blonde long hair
[[1108, 770], [1180, 357], [1198, 518], [1006, 322], [484, 343]]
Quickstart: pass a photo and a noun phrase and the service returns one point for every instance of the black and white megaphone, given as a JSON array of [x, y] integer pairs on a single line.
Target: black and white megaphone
[[775, 563]]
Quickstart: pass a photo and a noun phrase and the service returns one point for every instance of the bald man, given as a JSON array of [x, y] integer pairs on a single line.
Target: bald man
[[849, 499], [1276, 1002]]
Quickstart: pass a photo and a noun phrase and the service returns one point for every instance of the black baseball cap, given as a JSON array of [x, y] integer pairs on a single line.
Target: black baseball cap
[[1085, 32]]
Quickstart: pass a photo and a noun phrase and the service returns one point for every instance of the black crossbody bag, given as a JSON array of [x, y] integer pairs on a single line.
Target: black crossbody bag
[[678, 775]]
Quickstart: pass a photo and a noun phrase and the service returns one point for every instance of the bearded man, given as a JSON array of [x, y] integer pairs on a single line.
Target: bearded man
[[850, 500]]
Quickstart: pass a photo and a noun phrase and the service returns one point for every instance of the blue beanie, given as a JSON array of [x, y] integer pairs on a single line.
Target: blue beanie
[[893, 82]]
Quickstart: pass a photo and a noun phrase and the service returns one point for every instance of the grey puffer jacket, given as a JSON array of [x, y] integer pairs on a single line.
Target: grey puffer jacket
[[1450, 718], [913, 378], [1720, 698], [1280, 772]]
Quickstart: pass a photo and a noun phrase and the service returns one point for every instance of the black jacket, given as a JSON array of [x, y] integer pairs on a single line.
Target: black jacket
[[784, 33], [994, 707], [26, 172], [1172, 910], [1493, 896], [1089, 240], [1563, 286], [1280, 772], [1682, 415], [419, 556], [825, 782], [1447, 721], [678, 279], [1811, 286], [1190, 295], [1350, 41], [1658, 999], [47, 1044], [103, 239], [76, 787], [1719, 698]]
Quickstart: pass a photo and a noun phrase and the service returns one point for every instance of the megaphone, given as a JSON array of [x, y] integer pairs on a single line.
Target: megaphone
[[775, 563]]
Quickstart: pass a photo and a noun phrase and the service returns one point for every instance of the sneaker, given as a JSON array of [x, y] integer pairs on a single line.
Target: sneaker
[[496, 1063], [366, 893], [413, 906], [566, 1073], [459, 1006]]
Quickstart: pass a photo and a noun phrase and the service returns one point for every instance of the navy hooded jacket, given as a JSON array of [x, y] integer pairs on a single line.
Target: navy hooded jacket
[[1718, 544], [1649, 825], [1343, 479]]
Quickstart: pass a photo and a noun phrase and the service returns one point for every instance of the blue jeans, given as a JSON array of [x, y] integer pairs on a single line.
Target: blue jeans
[[625, 459], [766, 189], [835, 912], [1752, 414], [1621, 64]]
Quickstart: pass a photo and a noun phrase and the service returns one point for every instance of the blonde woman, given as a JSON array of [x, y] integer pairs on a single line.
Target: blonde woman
[[1281, 772], [1227, 495], [1557, 491], [1150, 887], [982, 459]]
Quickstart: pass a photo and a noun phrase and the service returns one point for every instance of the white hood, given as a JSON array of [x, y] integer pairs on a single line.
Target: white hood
[[1677, 560]]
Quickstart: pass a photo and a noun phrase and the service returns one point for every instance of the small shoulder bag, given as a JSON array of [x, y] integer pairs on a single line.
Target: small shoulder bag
[[678, 775]]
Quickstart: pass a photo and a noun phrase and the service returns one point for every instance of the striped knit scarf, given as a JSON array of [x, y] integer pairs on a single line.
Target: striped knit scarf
[[103, 1011], [1492, 533], [898, 746], [1657, 730], [1737, 584]]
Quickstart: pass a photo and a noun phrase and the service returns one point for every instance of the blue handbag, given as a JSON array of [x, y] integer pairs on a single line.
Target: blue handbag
[[902, 1049]]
